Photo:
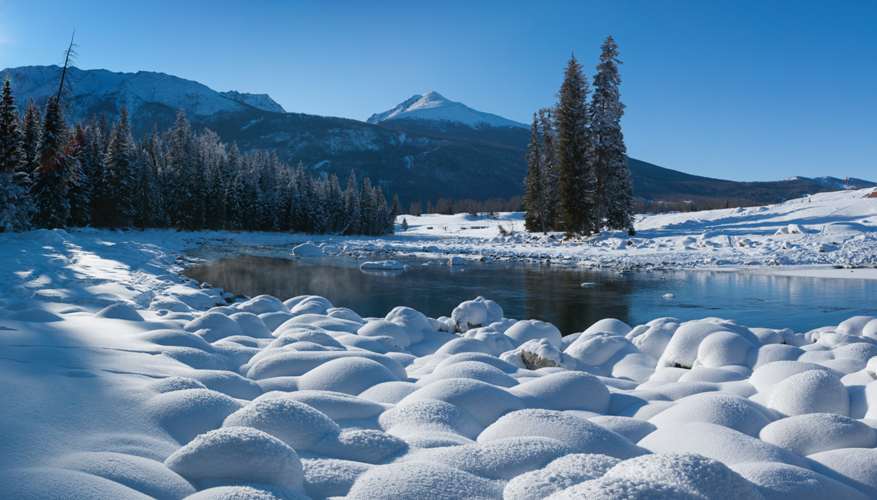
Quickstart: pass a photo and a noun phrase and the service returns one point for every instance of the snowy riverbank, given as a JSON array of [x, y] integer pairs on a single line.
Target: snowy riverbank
[[124, 380]]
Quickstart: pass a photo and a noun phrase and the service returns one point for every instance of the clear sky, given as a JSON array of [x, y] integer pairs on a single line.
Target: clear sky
[[749, 90]]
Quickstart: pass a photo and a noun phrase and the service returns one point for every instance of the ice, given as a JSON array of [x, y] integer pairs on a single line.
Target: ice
[[307, 250], [382, 265]]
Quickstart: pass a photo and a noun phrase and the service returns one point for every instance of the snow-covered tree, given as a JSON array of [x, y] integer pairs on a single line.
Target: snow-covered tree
[[352, 205], [534, 200], [549, 175], [121, 175], [614, 191], [49, 188], [577, 178], [78, 182], [15, 207]]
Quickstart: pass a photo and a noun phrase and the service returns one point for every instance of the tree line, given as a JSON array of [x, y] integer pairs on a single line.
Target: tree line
[[578, 180], [96, 174]]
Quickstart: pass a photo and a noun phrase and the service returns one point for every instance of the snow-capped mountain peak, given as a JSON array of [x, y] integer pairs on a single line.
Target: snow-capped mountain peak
[[433, 106]]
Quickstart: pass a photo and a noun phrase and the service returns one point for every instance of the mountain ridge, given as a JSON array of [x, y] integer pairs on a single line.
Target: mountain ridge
[[420, 159]]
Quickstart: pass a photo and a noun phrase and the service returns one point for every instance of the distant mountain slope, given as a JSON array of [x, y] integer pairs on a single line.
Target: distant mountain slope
[[152, 99], [435, 107], [426, 148]]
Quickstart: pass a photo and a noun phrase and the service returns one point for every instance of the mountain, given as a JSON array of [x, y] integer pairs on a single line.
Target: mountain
[[426, 148], [434, 107], [258, 101], [152, 99]]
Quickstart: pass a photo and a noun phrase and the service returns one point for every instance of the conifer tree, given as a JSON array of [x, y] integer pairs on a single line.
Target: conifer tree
[[121, 174], [577, 179], [533, 195], [49, 188], [549, 172], [78, 182], [614, 192], [15, 211], [352, 206]]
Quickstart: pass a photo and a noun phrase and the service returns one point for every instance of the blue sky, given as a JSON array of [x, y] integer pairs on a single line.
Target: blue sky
[[749, 90]]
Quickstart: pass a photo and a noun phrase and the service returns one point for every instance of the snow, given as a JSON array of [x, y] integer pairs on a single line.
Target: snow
[[433, 106], [130, 381], [730, 239]]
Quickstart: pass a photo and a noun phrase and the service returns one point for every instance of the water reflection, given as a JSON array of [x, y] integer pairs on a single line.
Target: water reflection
[[553, 294]]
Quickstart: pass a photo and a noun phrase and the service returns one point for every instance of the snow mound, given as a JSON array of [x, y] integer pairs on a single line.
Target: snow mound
[[186, 413], [553, 392], [856, 467], [234, 493], [579, 434], [238, 456], [483, 401], [816, 432], [561, 473], [778, 481], [812, 391], [532, 329], [419, 480], [141, 474], [296, 424], [331, 477], [696, 474], [120, 310], [727, 410], [613, 488], [350, 375]]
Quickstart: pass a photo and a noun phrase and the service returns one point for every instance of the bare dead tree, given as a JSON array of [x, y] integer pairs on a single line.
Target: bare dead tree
[[69, 54]]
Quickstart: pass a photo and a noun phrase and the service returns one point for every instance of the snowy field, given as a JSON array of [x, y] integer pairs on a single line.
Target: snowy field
[[827, 229], [122, 379]]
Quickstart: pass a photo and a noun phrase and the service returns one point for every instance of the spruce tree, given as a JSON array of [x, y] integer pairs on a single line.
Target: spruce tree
[[15, 210], [121, 174], [352, 206], [78, 182], [614, 192], [549, 172], [49, 188], [577, 179], [533, 185]]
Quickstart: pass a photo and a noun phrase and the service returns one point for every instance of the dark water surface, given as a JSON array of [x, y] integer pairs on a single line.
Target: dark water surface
[[552, 294]]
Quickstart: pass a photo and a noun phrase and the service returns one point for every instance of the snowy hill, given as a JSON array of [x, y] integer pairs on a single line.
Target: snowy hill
[[433, 106], [258, 101], [827, 229], [144, 93]]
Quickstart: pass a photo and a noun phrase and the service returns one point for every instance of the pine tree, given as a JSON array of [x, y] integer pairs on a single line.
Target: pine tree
[[614, 192], [78, 182], [15, 211], [533, 195], [121, 174], [550, 175], [49, 189], [352, 206], [93, 160], [577, 179]]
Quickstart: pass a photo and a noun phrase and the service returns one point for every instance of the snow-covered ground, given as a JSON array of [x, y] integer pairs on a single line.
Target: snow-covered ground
[[827, 229], [121, 379]]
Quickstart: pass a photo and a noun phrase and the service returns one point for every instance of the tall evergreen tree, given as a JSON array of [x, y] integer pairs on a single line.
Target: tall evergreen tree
[[49, 188], [352, 206], [550, 174], [534, 200], [121, 174], [614, 192], [577, 182], [15, 209], [78, 182]]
